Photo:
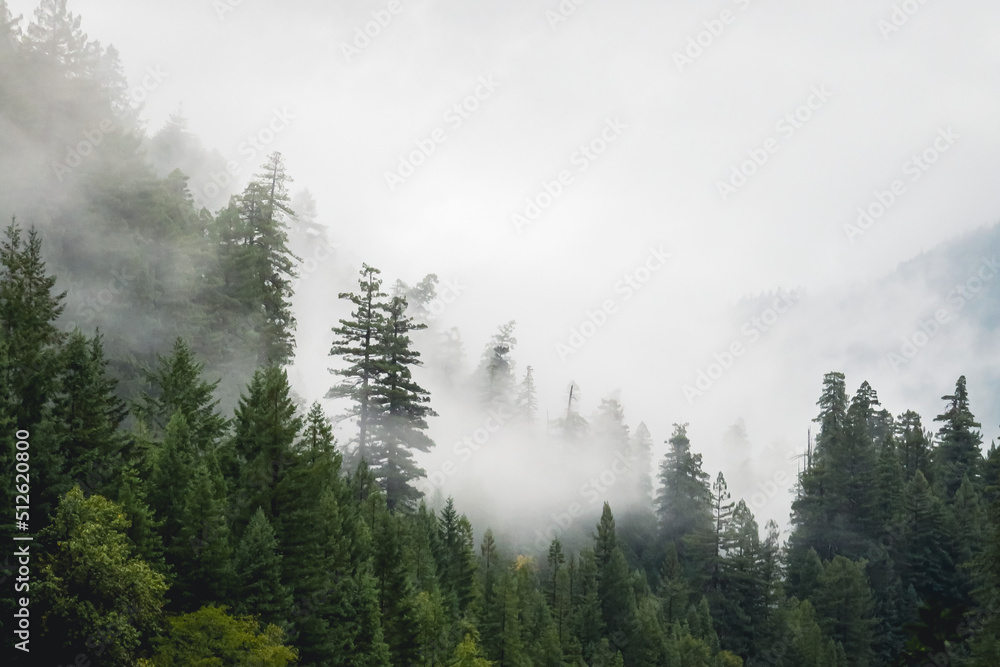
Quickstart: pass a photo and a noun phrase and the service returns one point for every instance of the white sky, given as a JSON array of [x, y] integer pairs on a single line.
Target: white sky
[[656, 185]]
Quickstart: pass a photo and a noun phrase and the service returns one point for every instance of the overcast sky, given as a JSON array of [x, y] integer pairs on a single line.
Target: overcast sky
[[833, 99]]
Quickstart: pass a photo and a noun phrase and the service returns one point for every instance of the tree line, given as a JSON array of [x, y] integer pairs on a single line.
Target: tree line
[[168, 533]]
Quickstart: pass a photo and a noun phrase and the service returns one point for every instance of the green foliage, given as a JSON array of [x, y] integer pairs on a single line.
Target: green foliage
[[958, 453], [846, 608], [467, 654], [684, 499], [391, 407], [177, 386], [91, 590], [257, 562], [200, 552], [266, 427], [209, 637], [256, 265]]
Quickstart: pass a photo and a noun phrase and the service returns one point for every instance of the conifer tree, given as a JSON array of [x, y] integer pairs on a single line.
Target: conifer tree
[[266, 428], [741, 599], [55, 36], [845, 606], [496, 370], [10, 32], [177, 384], [401, 418], [88, 413], [556, 558], [614, 589], [172, 465], [673, 590], [258, 268], [397, 603], [258, 566], [914, 445], [958, 452], [684, 501], [310, 497], [29, 308], [967, 520], [143, 532], [985, 643], [455, 559], [832, 513], [928, 550], [722, 512], [201, 553], [804, 643], [357, 342], [588, 615], [527, 399]]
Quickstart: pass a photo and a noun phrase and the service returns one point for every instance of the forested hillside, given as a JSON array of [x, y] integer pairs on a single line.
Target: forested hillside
[[186, 507]]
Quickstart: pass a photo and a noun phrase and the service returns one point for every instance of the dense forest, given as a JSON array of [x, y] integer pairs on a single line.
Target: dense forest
[[186, 507]]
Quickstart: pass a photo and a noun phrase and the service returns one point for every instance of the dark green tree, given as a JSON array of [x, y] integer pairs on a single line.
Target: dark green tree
[[201, 551], [402, 411], [614, 587], [258, 268], [143, 533], [173, 462], [396, 596], [29, 308], [958, 452], [914, 445], [845, 606], [266, 427], [684, 501], [456, 563], [357, 341], [177, 384], [258, 566], [88, 413]]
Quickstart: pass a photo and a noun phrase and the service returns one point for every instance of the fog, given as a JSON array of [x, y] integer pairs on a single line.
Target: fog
[[698, 209]]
